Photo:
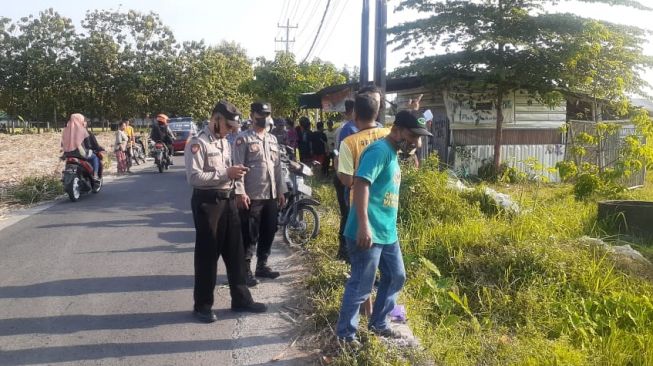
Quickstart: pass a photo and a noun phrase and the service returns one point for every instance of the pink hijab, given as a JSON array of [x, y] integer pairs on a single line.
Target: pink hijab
[[74, 133]]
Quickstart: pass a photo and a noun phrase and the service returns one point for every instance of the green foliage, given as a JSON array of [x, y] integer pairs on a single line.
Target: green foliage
[[591, 174], [604, 63], [124, 64], [498, 290], [35, 189], [282, 80], [567, 169]]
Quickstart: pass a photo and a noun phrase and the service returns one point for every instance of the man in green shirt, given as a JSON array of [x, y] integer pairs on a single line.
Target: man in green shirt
[[371, 230]]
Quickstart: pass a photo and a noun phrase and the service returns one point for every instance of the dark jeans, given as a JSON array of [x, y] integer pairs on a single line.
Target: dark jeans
[[217, 228], [343, 205], [259, 226]]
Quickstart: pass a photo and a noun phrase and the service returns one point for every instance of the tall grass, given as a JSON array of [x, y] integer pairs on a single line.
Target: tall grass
[[489, 288]]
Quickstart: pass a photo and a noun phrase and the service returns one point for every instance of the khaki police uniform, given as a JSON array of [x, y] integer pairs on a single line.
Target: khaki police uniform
[[263, 184], [216, 218]]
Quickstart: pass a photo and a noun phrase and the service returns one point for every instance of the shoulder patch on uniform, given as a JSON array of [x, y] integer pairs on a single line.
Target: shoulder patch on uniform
[[195, 148], [239, 141]]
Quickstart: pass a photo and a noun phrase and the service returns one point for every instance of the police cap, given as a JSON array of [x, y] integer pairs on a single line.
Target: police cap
[[228, 110], [261, 108]]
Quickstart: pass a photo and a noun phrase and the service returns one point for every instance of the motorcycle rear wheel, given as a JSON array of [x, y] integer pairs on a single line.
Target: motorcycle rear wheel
[[303, 226], [74, 190]]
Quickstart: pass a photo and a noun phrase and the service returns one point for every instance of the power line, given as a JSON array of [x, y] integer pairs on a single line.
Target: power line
[[308, 32], [327, 21], [326, 9], [284, 9], [294, 11], [304, 11], [334, 26], [330, 24]]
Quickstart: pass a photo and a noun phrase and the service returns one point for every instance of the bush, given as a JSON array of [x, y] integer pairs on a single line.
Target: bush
[[35, 189]]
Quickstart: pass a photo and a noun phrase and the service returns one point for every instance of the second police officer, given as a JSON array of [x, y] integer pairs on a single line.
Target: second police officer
[[210, 171], [261, 192]]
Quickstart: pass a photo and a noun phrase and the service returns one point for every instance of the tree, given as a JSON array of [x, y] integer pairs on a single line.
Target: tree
[[506, 44], [122, 64], [209, 74], [605, 64], [146, 52], [39, 63], [282, 80]]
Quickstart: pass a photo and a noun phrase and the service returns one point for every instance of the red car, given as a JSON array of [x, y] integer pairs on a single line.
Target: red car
[[184, 129]]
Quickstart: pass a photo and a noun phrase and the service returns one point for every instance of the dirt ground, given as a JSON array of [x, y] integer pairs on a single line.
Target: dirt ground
[[35, 155]]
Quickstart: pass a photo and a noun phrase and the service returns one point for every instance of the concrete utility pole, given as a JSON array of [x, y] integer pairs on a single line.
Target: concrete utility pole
[[287, 40], [380, 46], [365, 44]]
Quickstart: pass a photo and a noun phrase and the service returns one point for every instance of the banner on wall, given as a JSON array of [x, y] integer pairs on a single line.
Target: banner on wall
[[477, 108], [335, 102]]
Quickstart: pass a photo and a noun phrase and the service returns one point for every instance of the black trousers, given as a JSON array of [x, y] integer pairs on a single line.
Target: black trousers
[[217, 227], [262, 221], [343, 205]]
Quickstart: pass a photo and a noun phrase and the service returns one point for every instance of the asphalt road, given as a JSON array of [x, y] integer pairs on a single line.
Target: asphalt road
[[108, 280]]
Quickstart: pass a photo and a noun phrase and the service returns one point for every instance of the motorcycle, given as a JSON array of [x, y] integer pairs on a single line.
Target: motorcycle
[[160, 155], [298, 218], [77, 177], [138, 151]]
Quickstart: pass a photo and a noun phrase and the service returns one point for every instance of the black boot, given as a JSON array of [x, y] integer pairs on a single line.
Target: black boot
[[250, 280], [254, 307], [262, 270]]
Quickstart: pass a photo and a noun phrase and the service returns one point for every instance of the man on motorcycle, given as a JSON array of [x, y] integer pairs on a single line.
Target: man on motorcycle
[[162, 133]]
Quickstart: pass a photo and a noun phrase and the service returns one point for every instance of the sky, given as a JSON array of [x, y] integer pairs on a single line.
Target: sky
[[255, 23]]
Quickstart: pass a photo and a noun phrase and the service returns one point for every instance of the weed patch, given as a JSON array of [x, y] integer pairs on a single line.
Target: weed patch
[[35, 189]]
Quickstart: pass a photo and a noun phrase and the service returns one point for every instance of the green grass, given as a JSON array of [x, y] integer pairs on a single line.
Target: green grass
[[489, 288], [34, 189]]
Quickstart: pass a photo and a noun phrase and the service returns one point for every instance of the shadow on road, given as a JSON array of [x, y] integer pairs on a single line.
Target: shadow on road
[[66, 324], [48, 355], [83, 286], [175, 219], [172, 249]]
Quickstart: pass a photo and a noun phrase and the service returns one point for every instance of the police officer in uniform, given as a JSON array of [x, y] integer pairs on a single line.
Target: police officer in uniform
[[261, 192], [210, 171]]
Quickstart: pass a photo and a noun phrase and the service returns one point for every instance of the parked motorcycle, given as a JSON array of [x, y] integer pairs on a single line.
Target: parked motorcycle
[[298, 218], [138, 151], [77, 177], [160, 155]]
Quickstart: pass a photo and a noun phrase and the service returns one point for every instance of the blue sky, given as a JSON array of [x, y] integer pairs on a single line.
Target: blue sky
[[253, 23]]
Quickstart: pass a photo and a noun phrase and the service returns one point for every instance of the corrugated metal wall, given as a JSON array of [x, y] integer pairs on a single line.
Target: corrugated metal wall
[[469, 158]]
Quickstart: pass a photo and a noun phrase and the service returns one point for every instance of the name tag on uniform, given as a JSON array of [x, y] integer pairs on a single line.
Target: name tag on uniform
[[213, 154]]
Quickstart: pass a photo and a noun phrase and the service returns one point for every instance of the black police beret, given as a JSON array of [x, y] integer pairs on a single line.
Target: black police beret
[[261, 108], [228, 110]]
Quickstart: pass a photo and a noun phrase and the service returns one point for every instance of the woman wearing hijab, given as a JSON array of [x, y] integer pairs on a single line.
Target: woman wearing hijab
[[78, 142]]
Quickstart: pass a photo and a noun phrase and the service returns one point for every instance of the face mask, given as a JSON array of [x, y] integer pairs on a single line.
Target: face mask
[[261, 122], [406, 147]]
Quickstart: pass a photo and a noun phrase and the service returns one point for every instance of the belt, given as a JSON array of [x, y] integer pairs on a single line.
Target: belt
[[213, 194]]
